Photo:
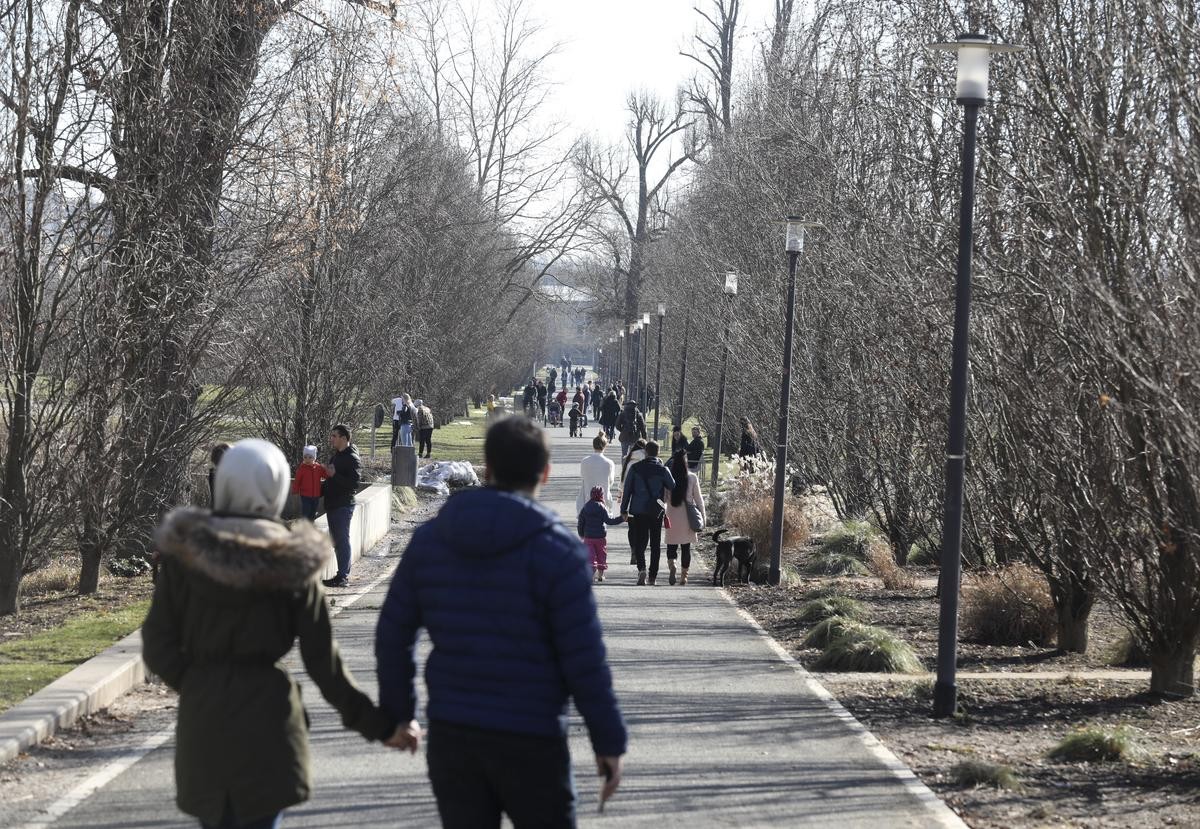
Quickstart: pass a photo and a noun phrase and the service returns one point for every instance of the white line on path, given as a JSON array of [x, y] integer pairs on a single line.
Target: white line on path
[[941, 814], [111, 770]]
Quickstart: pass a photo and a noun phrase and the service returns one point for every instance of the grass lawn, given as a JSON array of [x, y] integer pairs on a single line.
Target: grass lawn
[[30, 664], [462, 438]]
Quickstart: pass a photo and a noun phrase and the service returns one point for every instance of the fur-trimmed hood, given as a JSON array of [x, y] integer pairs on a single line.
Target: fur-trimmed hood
[[243, 553]]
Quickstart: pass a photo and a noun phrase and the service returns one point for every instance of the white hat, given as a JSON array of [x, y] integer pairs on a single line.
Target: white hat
[[252, 479], [310, 451], [418, 402]]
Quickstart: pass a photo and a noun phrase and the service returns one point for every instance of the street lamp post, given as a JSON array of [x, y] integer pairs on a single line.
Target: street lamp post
[[662, 313], [731, 286], [974, 55], [634, 345], [794, 247], [687, 327], [645, 386], [620, 355]]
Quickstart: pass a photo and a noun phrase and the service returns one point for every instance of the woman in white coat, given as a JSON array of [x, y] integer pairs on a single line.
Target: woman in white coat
[[595, 470], [681, 534]]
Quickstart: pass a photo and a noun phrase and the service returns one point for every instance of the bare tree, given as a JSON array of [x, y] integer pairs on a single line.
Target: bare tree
[[713, 92]]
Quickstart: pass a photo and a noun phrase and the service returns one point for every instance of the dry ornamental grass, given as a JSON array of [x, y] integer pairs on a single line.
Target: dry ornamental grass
[[1011, 606]]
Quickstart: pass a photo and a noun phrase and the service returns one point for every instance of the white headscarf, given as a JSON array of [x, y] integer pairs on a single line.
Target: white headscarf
[[252, 480]]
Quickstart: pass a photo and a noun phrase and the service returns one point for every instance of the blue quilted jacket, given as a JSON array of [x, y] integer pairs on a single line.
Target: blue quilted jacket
[[504, 591]]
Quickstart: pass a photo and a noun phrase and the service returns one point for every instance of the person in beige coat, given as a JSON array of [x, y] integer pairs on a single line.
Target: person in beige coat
[[680, 534]]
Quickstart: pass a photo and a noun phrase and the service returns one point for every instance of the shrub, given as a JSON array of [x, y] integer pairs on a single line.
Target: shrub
[[827, 563], [882, 564], [850, 538], [1090, 745], [869, 649], [818, 610], [925, 553], [1129, 653], [829, 629], [976, 773], [1009, 607], [822, 592], [752, 516], [60, 576], [789, 574]]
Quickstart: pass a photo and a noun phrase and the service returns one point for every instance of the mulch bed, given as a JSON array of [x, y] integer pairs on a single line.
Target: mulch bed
[[52, 610]]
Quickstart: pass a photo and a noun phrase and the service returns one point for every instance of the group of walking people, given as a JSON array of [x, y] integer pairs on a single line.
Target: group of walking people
[[410, 415], [513, 643]]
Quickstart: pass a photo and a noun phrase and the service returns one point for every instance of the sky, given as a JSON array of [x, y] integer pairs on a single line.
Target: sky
[[610, 47]]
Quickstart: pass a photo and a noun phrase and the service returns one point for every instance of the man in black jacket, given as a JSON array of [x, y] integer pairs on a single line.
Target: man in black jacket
[[345, 473], [647, 483]]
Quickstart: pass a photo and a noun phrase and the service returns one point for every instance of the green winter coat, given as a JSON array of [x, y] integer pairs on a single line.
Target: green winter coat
[[232, 596]]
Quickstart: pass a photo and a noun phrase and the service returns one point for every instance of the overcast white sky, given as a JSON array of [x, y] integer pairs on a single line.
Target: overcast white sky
[[610, 47]]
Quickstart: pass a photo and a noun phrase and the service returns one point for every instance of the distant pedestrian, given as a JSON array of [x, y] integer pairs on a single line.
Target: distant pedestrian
[[503, 590], [597, 401], [647, 484], [685, 496], [307, 483], [529, 398], [595, 470], [575, 416], [424, 422], [750, 445], [345, 474], [214, 458], [631, 425], [237, 588], [491, 408], [695, 449], [593, 521], [553, 375], [542, 393], [678, 441], [610, 411], [402, 421]]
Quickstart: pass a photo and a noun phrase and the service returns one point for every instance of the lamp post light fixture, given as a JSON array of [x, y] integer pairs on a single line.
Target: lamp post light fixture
[[971, 91], [662, 312], [794, 246], [730, 289]]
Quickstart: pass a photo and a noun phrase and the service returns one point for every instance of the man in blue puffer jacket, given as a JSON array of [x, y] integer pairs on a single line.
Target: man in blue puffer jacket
[[504, 591]]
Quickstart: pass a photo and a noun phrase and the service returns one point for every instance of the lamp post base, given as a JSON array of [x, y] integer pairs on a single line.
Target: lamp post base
[[945, 699]]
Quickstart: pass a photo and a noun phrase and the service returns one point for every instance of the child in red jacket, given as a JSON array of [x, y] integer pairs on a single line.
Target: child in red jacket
[[307, 483]]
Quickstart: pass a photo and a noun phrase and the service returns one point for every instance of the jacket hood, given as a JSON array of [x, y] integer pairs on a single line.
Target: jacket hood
[[486, 522], [243, 553]]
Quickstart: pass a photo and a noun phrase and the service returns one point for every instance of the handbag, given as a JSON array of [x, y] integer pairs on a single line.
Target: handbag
[[695, 519]]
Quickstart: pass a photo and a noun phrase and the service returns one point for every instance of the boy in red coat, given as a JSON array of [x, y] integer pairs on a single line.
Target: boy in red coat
[[307, 483]]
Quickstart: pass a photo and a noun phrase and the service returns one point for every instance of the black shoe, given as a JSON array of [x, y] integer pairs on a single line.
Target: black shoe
[[335, 582]]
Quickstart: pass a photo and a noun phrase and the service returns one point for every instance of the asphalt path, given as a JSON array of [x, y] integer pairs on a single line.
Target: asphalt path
[[725, 731]]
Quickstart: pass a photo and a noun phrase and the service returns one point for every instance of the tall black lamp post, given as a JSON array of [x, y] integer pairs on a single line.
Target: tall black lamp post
[[794, 246], [621, 360], [662, 312], [644, 388], [731, 286], [974, 55], [634, 345], [687, 328]]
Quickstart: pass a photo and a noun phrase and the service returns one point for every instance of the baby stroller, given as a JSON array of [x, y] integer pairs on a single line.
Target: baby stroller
[[554, 412]]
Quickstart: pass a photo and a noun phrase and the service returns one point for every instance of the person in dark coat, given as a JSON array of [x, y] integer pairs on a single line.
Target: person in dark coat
[[646, 483], [631, 425], [678, 441], [345, 474], [236, 588], [504, 592], [750, 445], [610, 410], [695, 450]]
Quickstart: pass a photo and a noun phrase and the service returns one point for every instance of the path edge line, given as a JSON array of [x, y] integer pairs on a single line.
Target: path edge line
[[942, 814]]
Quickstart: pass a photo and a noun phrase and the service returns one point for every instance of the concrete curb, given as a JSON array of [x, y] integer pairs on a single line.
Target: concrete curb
[[95, 684], [89, 688]]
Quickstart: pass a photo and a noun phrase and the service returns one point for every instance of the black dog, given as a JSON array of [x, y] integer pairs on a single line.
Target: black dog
[[740, 547]]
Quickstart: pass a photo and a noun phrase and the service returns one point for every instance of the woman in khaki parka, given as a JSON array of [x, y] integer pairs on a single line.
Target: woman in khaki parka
[[236, 588]]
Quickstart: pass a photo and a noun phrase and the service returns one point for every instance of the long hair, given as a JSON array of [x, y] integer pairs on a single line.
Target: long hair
[[748, 428], [640, 443], [679, 471]]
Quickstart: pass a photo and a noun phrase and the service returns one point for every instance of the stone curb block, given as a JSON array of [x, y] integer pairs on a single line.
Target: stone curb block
[[95, 684], [89, 688]]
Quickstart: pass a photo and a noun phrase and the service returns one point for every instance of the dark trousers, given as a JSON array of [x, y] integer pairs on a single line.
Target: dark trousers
[[308, 506], [339, 530], [479, 774], [425, 442], [687, 554], [643, 530], [228, 821]]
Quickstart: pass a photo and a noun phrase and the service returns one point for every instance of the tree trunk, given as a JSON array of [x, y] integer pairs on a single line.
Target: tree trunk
[[1073, 628], [91, 554], [1172, 670]]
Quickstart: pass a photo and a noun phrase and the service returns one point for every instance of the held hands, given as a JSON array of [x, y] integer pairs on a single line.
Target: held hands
[[406, 737]]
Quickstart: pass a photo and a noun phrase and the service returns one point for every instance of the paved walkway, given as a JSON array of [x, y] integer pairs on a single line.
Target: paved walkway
[[724, 732]]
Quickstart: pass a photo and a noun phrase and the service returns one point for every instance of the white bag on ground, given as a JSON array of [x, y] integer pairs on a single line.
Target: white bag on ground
[[442, 476]]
